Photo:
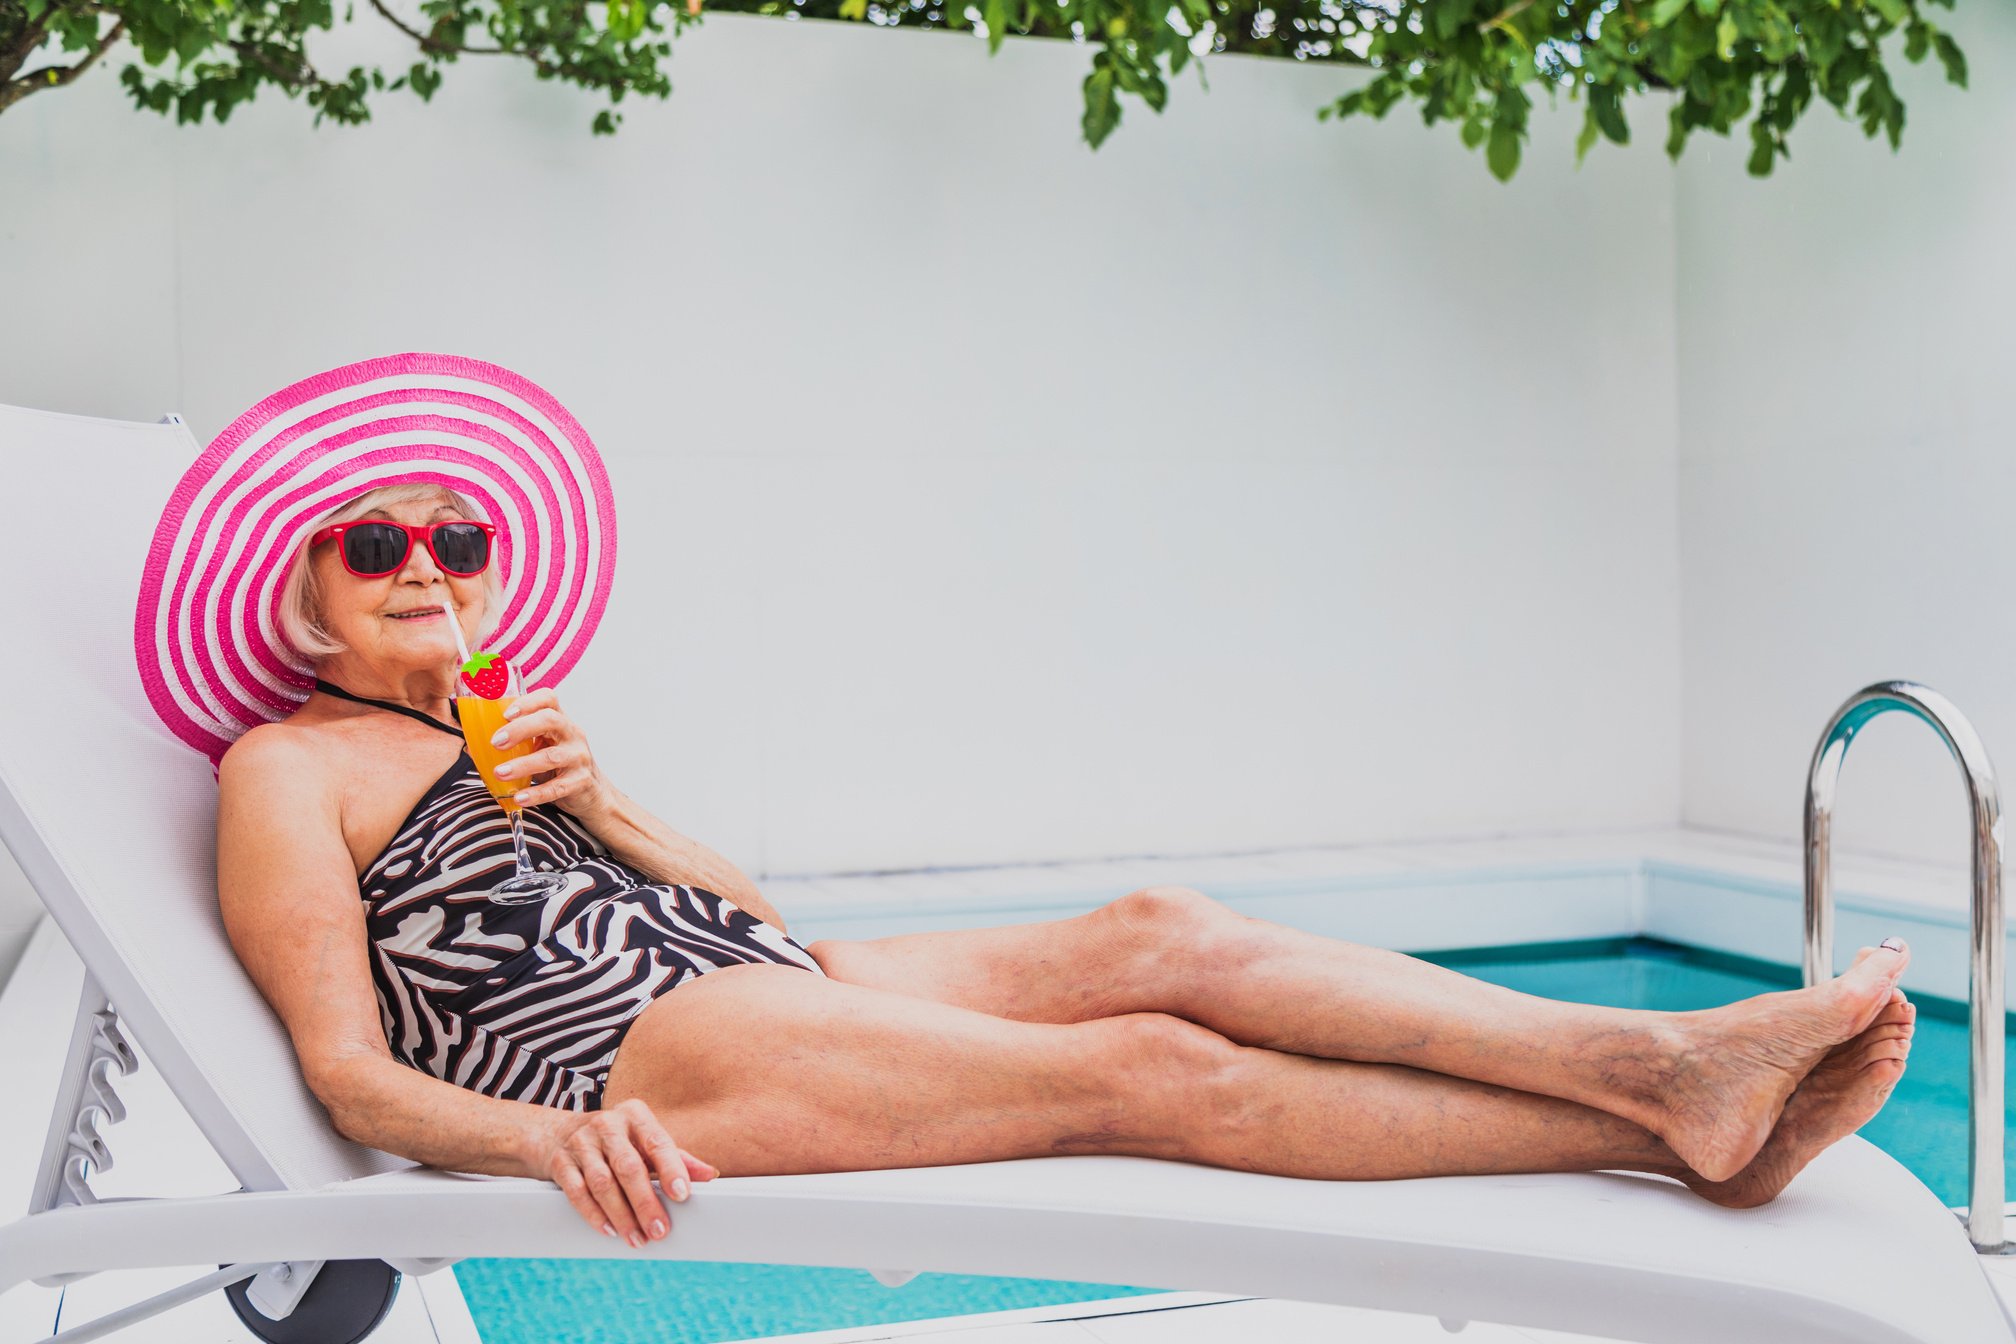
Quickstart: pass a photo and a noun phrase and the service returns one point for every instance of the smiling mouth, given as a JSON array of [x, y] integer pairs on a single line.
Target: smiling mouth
[[424, 614]]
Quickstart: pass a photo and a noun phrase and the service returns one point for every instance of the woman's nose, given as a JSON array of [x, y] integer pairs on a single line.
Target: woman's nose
[[420, 567]]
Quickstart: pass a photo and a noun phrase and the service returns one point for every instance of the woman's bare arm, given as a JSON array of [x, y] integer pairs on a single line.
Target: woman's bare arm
[[648, 844], [291, 909], [563, 770]]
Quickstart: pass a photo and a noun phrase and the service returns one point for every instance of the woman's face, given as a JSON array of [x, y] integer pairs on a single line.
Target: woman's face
[[394, 622]]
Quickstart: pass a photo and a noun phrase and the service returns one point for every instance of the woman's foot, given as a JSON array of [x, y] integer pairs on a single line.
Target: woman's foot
[[1842, 1093], [1735, 1067]]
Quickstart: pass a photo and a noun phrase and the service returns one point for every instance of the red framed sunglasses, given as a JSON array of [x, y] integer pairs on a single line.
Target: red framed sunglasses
[[373, 548]]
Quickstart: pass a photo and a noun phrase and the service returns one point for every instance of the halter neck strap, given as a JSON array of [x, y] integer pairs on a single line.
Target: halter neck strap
[[331, 688]]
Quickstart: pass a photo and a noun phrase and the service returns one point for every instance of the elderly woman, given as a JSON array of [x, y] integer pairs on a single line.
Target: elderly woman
[[656, 1019]]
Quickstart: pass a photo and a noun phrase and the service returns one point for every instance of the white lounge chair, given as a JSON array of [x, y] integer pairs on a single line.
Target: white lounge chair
[[112, 821]]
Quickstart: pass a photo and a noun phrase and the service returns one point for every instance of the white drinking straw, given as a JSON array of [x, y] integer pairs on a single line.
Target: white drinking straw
[[456, 626]]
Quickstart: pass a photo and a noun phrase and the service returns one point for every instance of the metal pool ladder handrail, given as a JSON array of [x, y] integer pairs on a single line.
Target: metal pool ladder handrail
[[1985, 1001]]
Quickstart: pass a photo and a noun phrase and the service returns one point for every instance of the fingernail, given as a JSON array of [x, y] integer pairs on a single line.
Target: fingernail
[[679, 1188], [510, 711], [503, 770], [497, 738], [608, 1231], [1894, 944], [636, 1241], [658, 1228]]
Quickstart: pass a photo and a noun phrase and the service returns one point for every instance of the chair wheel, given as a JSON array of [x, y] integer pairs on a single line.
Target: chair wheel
[[345, 1303]]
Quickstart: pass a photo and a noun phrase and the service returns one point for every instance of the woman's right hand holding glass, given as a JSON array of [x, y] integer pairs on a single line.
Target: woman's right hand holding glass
[[604, 1163]]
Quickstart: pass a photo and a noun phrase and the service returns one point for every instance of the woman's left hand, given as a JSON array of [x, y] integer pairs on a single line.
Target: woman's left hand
[[562, 770]]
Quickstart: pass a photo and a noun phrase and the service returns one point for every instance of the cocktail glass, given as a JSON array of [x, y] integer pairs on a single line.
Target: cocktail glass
[[481, 719]]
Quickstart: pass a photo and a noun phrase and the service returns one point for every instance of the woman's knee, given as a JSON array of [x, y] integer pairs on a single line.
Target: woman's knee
[[1176, 938], [1186, 1077], [1162, 1045], [1165, 910]]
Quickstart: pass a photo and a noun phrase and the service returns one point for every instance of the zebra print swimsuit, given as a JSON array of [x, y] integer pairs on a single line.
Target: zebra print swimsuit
[[529, 1002]]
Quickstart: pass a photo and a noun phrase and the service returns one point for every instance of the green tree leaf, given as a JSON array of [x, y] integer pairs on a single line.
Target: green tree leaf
[[1585, 141], [1952, 58], [1503, 153], [1102, 106], [1477, 65], [1761, 148], [1609, 114]]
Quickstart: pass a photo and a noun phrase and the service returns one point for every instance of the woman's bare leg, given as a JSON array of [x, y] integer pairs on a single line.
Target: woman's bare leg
[[768, 1070], [1711, 1083]]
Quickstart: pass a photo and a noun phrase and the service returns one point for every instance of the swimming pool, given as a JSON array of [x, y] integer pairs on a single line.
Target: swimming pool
[[1924, 1126]]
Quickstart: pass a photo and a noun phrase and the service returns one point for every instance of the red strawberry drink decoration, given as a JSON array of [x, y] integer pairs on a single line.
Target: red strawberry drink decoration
[[487, 675]]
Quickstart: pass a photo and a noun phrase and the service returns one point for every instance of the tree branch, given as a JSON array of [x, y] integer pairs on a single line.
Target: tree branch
[[1507, 14], [32, 37], [56, 76], [300, 77], [430, 43]]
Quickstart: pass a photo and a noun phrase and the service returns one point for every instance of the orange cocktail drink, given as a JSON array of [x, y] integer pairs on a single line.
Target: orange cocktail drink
[[489, 685], [480, 721]]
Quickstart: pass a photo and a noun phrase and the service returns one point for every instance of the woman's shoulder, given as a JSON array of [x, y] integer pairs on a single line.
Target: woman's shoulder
[[276, 795], [295, 751]]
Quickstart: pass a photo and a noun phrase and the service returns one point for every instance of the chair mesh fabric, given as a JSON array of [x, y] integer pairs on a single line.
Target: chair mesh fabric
[[111, 818]]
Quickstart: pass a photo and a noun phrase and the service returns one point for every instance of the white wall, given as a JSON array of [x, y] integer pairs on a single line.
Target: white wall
[[1847, 461], [1251, 482]]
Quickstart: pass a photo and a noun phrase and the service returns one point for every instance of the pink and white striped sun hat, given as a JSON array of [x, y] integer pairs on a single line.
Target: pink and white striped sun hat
[[207, 634]]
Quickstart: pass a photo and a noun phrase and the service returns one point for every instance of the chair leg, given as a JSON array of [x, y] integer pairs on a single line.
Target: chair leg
[[154, 1306]]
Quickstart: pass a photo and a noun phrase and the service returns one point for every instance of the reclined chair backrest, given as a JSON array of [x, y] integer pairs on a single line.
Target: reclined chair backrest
[[112, 819]]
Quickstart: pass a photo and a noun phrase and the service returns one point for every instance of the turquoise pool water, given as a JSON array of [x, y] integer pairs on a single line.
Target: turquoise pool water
[[618, 1302]]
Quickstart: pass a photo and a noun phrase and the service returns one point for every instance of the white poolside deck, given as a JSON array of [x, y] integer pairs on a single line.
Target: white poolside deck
[[1703, 889]]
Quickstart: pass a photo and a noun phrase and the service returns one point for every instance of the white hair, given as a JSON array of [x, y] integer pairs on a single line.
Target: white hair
[[301, 616]]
